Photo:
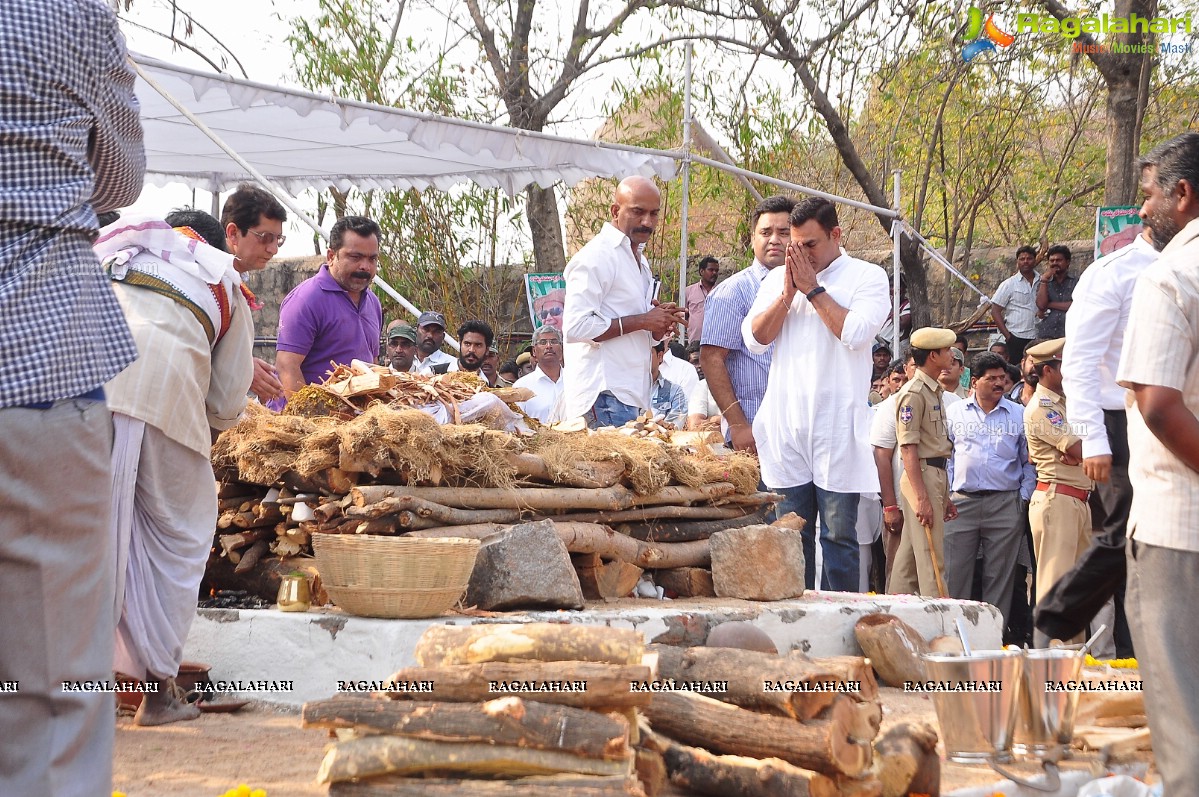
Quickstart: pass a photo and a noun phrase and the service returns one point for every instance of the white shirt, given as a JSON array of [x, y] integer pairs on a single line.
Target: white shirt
[[701, 402], [1018, 298], [681, 372], [438, 357], [604, 282], [814, 423], [882, 434], [546, 406], [1094, 337], [1160, 349], [949, 399]]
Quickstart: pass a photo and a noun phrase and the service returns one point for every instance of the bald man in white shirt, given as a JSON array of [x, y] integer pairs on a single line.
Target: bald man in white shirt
[[612, 317]]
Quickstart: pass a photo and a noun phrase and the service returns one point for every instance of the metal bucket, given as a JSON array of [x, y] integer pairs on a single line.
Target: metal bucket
[[976, 726], [1045, 721]]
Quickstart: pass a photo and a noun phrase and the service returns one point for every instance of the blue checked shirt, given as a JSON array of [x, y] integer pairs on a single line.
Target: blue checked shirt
[[70, 146], [725, 308]]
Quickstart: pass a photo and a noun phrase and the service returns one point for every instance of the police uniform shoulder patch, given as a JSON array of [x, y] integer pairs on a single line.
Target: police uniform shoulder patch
[[1055, 418], [905, 414]]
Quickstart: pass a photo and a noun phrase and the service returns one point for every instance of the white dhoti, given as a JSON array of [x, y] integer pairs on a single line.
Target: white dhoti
[[164, 512]]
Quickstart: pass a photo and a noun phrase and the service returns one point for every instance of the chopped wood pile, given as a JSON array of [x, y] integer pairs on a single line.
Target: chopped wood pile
[[545, 708], [621, 503]]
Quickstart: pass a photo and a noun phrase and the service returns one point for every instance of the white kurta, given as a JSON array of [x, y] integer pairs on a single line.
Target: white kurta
[[814, 424]]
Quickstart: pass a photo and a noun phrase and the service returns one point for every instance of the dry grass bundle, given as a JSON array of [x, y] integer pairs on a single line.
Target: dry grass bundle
[[647, 463], [480, 455], [313, 401], [391, 438], [703, 467], [264, 445]]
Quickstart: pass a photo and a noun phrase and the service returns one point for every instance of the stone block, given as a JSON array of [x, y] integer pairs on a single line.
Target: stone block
[[759, 563], [526, 567]]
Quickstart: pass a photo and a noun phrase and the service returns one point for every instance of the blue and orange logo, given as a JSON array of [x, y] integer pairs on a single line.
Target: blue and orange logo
[[983, 35]]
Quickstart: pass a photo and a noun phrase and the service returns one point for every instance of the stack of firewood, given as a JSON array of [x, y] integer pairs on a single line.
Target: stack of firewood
[[621, 504], [765, 725], [494, 710]]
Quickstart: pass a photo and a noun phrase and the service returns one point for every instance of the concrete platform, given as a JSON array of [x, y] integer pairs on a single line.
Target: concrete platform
[[303, 656]]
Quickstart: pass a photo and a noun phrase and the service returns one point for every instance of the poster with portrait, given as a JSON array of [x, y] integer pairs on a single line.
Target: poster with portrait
[[547, 296], [1116, 228]]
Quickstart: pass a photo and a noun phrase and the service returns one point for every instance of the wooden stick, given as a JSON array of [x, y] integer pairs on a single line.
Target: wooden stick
[[906, 760], [724, 775], [583, 684], [589, 475], [670, 530], [475, 531], [445, 516], [821, 745], [654, 512], [757, 499], [443, 645], [381, 755], [548, 786], [507, 721], [546, 499], [233, 542], [250, 558]]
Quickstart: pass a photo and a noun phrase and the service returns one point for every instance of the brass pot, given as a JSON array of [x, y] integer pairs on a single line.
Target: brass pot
[[293, 594]]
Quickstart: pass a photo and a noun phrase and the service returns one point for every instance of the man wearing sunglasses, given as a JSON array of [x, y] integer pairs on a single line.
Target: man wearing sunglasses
[[253, 221]]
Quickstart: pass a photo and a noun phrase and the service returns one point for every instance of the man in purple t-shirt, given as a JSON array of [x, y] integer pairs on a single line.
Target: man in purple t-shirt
[[332, 317]]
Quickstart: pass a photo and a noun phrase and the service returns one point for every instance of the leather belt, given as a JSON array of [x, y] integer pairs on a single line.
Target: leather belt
[[1065, 489], [936, 462], [983, 493]]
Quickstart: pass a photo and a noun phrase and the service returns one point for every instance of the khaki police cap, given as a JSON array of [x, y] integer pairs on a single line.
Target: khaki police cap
[[933, 338], [1048, 351]]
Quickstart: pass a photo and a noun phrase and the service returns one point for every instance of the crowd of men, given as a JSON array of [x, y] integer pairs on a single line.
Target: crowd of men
[[127, 344]]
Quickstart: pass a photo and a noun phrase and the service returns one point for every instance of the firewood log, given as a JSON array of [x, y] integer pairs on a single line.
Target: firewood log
[[848, 668], [446, 516], [583, 684], [608, 580], [442, 645], [906, 760], [669, 530], [382, 755], [658, 512], [821, 745], [867, 716], [237, 489], [507, 721], [544, 499], [547, 786], [686, 582], [727, 775], [755, 499], [250, 558], [475, 531], [231, 543], [749, 676], [588, 475], [650, 767], [234, 503], [893, 647]]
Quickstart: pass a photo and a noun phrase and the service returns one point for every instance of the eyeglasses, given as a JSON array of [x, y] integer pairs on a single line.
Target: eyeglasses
[[268, 238], [553, 312], [548, 342]]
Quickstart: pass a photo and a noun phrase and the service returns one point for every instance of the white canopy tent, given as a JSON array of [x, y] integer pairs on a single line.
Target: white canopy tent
[[213, 131]]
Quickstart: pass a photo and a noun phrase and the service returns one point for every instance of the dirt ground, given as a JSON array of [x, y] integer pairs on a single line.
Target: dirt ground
[[266, 748]]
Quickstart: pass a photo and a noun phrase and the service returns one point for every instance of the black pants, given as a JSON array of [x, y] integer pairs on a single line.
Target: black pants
[[1015, 349], [1101, 572]]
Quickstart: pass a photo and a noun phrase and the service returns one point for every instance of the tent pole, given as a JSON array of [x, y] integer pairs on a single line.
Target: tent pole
[[895, 233], [266, 183], [686, 181]]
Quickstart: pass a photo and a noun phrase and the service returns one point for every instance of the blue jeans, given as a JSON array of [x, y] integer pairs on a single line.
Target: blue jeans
[[838, 514], [609, 411]]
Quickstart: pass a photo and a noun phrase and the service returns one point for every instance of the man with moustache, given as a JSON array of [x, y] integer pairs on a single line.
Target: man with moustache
[[612, 316], [332, 317], [546, 379], [253, 222], [736, 376], [475, 338], [1014, 305], [401, 346], [1158, 364], [822, 311], [430, 359]]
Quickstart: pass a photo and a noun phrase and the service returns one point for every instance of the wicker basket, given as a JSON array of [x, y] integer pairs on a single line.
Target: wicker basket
[[394, 576], [394, 603]]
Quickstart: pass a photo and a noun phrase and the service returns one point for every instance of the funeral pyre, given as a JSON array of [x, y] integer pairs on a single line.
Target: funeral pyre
[[373, 451]]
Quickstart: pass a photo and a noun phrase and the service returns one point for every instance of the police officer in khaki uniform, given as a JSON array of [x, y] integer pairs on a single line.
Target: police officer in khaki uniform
[[1058, 512], [925, 448]]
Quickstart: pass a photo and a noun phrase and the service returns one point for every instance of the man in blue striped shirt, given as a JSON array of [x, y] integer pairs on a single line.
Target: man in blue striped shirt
[[737, 377]]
